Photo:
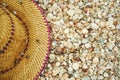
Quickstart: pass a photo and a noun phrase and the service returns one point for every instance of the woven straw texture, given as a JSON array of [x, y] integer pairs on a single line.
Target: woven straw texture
[[24, 40]]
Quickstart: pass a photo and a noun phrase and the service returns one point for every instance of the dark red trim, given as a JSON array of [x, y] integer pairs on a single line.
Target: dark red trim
[[49, 41]]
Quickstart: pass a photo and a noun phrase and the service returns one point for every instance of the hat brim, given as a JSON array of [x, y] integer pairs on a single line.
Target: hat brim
[[30, 68]]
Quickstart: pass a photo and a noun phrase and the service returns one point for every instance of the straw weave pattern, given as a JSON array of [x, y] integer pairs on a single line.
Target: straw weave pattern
[[28, 33]]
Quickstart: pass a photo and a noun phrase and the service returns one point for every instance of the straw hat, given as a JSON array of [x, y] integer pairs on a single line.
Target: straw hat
[[24, 40]]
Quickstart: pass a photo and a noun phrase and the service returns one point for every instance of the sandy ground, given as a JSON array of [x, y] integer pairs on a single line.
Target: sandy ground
[[85, 38]]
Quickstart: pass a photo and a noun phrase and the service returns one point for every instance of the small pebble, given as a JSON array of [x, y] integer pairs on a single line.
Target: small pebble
[[49, 16], [76, 75], [70, 12], [72, 78], [87, 45], [59, 49], [94, 26], [93, 77], [56, 71], [110, 46], [106, 74], [52, 57], [86, 78], [95, 60], [100, 77], [100, 71], [85, 66], [70, 70], [66, 31], [65, 76], [84, 31], [57, 64], [75, 66], [54, 43], [62, 71], [84, 40], [68, 44], [118, 26], [110, 24], [64, 63]]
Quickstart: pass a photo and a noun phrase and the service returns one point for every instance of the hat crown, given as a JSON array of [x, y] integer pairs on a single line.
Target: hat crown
[[13, 39], [7, 29]]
